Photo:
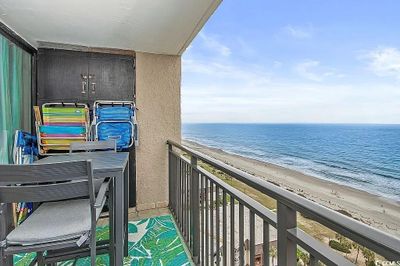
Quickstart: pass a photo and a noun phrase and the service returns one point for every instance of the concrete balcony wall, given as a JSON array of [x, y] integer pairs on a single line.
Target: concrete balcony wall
[[158, 98]]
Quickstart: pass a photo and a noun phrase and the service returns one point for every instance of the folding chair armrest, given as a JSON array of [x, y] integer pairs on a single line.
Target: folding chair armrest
[[101, 195]]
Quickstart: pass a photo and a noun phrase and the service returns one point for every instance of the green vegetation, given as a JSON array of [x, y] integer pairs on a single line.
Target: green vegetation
[[369, 256], [339, 246], [303, 256]]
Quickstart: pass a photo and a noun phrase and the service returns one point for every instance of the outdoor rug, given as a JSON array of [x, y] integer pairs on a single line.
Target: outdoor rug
[[152, 241]]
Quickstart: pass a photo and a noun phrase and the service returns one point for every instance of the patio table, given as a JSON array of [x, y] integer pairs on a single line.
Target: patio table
[[116, 166]]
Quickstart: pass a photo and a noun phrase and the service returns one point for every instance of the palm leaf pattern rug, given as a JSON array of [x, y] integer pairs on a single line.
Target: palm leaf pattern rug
[[152, 241]]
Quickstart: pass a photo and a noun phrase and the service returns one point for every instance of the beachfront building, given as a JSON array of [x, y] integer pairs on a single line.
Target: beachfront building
[[168, 204]]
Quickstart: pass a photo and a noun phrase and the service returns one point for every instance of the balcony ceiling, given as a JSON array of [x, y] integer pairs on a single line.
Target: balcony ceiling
[[154, 26]]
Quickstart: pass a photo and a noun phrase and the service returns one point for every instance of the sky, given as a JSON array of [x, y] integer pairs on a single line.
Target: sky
[[290, 61]]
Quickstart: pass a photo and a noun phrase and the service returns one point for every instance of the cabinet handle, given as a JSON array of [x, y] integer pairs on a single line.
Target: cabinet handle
[[83, 87], [93, 87], [84, 78]]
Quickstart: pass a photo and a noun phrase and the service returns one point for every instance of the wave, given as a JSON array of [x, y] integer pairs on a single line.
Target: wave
[[341, 172]]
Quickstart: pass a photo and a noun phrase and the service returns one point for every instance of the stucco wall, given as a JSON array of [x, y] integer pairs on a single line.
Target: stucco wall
[[158, 87]]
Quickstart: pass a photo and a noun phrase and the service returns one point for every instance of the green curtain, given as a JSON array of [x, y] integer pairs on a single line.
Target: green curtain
[[26, 102], [16, 87], [5, 104], [15, 95]]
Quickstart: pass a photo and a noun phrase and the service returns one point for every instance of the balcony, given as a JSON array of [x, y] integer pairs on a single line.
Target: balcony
[[224, 226], [211, 222]]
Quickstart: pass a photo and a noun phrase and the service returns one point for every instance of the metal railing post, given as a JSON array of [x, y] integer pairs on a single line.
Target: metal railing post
[[170, 195], [286, 247], [195, 211]]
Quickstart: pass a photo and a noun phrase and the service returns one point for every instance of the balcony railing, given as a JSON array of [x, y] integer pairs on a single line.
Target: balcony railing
[[209, 212]]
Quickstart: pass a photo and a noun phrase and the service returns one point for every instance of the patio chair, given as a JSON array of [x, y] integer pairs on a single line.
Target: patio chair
[[92, 146], [68, 215], [106, 145]]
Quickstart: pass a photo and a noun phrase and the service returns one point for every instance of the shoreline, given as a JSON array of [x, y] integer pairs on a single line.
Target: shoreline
[[379, 212]]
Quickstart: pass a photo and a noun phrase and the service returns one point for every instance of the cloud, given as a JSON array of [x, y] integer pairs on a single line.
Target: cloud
[[213, 44], [312, 70], [226, 71], [223, 89], [277, 64], [299, 32], [223, 68], [305, 69], [384, 61], [290, 102], [245, 48]]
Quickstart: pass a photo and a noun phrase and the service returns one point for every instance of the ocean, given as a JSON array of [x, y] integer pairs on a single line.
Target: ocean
[[365, 157]]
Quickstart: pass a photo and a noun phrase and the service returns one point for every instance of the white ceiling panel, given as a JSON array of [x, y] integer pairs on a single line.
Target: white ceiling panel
[[155, 26]]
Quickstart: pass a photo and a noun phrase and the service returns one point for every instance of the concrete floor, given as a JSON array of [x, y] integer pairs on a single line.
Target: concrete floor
[[137, 215], [134, 215]]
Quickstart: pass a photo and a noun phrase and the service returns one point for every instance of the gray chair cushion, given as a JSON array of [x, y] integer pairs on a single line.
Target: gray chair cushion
[[53, 221]]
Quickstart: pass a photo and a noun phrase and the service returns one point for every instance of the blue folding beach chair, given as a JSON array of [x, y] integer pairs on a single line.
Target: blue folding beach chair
[[116, 120], [25, 152], [25, 147]]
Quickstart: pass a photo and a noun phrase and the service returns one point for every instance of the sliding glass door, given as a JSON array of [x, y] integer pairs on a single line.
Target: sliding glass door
[[15, 95]]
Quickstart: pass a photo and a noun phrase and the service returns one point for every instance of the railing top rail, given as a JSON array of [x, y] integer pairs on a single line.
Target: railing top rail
[[374, 239]]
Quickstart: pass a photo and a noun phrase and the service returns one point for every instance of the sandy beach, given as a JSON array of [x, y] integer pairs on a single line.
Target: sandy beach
[[379, 212]]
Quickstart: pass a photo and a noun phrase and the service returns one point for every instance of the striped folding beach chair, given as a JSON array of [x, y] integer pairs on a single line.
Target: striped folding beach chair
[[63, 123]]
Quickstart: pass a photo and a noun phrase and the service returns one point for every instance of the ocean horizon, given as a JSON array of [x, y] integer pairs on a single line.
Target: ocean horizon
[[362, 156]]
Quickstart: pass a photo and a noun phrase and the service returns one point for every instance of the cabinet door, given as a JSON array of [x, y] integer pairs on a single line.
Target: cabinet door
[[60, 76], [111, 77]]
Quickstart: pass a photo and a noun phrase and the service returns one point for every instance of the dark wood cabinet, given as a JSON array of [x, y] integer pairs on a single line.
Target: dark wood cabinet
[[71, 76], [84, 77]]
